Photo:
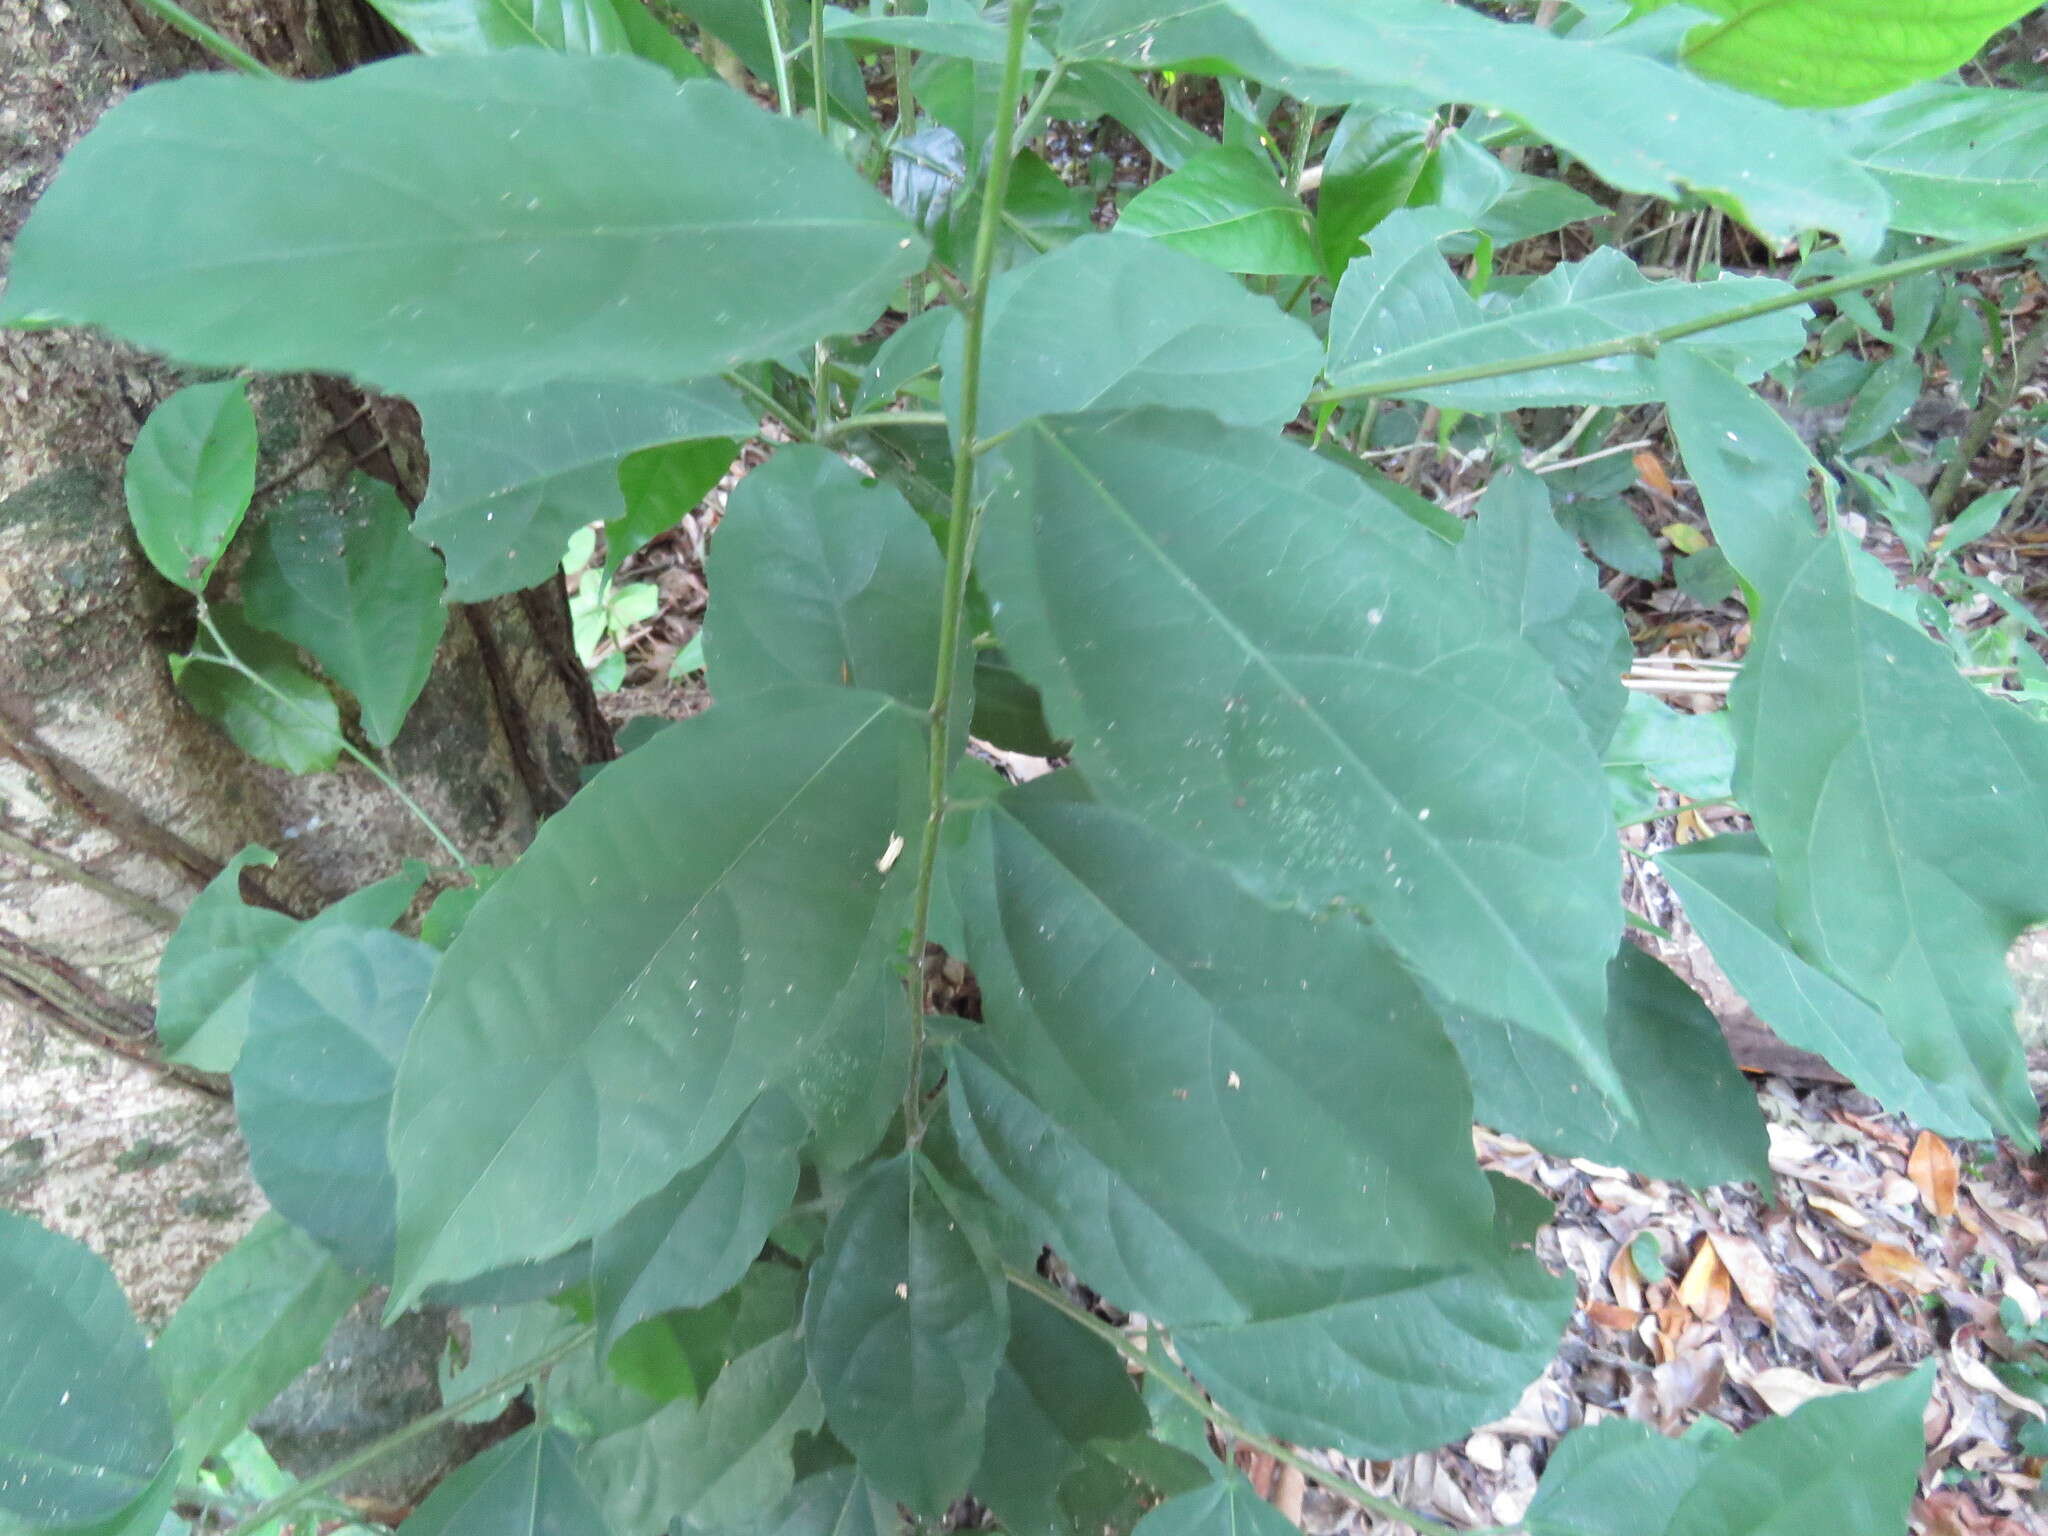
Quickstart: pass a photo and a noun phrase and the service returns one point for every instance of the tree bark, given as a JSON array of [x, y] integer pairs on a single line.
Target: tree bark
[[117, 802]]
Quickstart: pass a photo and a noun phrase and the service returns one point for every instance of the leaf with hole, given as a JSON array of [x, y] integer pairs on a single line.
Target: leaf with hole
[[459, 223], [621, 995], [341, 576], [189, 479]]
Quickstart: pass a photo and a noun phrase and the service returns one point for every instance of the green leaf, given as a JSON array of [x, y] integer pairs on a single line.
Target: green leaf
[[910, 353], [1657, 745], [1531, 569], [714, 1466], [1138, 325], [1228, 208], [1695, 1115], [256, 1320], [1639, 124], [952, 29], [501, 1339], [623, 993], [661, 487], [1614, 534], [1401, 314], [562, 26], [836, 1502], [1730, 895], [1213, 1056], [329, 1019], [692, 1240], [524, 1486], [1910, 900], [1187, 1109], [1380, 159], [341, 576], [515, 473], [501, 257], [189, 479], [1891, 390], [1058, 1390], [904, 1325], [288, 720], [822, 577], [742, 27], [1849, 1462], [1960, 163], [1110, 92], [1831, 53], [207, 976], [1227, 1507], [83, 1424], [448, 911], [1229, 629]]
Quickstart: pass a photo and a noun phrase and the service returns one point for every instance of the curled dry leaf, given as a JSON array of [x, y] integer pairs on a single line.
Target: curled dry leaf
[[1751, 1272], [1607, 1315], [1887, 1264], [1784, 1389], [1932, 1168], [1625, 1279], [1705, 1290], [1650, 469], [1972, 1371]]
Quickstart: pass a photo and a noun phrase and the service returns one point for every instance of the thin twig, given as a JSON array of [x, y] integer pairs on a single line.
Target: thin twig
[[149, 911], [206, 37]]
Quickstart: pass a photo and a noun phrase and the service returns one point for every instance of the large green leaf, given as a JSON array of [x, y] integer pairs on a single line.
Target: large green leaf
[[1138, 324], [835, 1502], [1695, 1115], [1910, 899], [692, 1240], [1058, 1391], [1401, 314], [1228, 208], [624, 992], [562, 26], [460, 223], [953, 29], [1251, 648], [1249, 1071], [340, 575], [1848, 1463], [515, 473], [1638, 123], [1227, 1507], [824, 577], [710, 1467], [1517, 555], [83, 1424], [328, 1022], [1240, 1121], [1730, 893], [1830, 53], [524, 1486], [257, 1318], [904, 1324], [1960, 163], [189, 478], [1655, 745], [288, 719]]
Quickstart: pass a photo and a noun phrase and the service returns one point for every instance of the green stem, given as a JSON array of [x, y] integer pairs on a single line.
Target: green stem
[[1297, 162], [1646, 343], [1159, 1366], [906, 97], [376, 1450], [200, 33], [785, 99], [960, 528], [866, 419], [227, 658], [1035, 108], [774, 407], [818, 67]]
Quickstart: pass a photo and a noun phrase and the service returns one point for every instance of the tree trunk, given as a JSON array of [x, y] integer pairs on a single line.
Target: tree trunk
[[117, 802]]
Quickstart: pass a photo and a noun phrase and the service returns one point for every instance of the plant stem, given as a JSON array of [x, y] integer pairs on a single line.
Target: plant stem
[[205, 36], [846, 424], [818, 67], [1035, 108], [1179, 1385], [785, 99], [1646, 343], [960, 529], [906, 98], [1984, 420], [1297, 160], [348, 1466], [774, 407], [227, 658]]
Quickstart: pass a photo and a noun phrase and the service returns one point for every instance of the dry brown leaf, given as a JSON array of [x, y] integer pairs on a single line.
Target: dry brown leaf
[[1847, 1215], [1932, 1168], [1889, 1265], [1671, 1323], [1650, 469], [2021, 1225], [1785, 1390], [1608, 1315], [1976, 1373], [1751, 1271], [1705, 1289], [1625, 1279]]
